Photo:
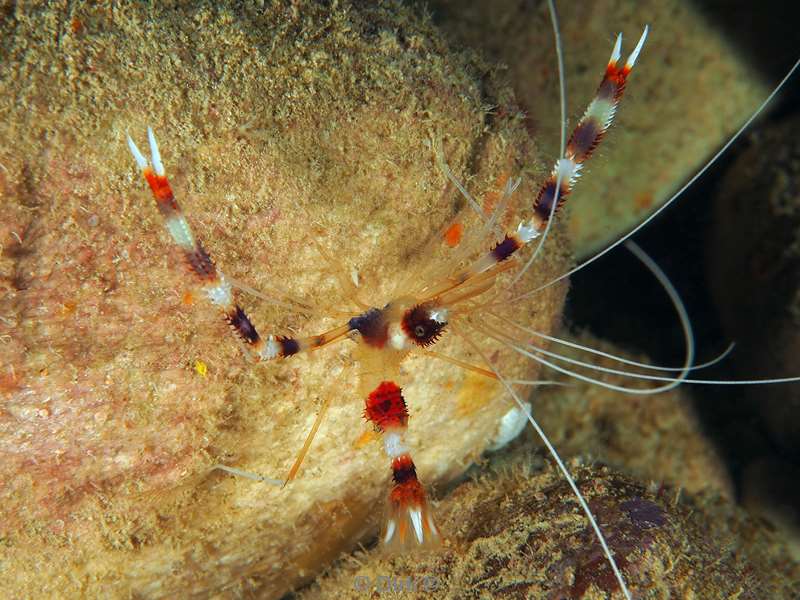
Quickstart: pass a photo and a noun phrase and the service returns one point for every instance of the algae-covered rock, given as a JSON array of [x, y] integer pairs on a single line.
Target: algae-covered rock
[[691, 89], [519, 533], [297, 137]]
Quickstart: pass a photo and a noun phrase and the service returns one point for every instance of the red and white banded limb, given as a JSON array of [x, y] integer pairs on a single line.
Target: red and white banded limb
[[216, 287], [583, 141]]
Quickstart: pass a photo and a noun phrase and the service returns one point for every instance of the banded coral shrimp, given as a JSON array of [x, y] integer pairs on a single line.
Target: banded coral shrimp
[[387, 335], [132, 530], [413, 321]]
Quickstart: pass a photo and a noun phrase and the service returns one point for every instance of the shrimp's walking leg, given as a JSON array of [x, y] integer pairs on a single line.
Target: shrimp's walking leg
[[218, 290], [297, 461], [410, 520], [248, 475], [309, 438]]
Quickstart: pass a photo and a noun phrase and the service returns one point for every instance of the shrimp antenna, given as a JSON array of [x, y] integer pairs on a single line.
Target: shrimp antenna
[[621, 359]]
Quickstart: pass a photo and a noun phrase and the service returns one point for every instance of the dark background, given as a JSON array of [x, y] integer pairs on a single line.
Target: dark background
[[767, 33]]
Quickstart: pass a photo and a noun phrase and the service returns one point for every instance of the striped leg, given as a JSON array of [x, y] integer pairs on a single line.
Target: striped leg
[[588, 132], [218, 290], [408, 510], [587, 135]]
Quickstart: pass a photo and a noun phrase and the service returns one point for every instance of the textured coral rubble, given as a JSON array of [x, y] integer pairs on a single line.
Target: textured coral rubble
[[519, 534], [654, 437]]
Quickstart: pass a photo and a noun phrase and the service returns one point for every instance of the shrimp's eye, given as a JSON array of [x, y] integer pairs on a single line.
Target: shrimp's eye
[[421, 327]]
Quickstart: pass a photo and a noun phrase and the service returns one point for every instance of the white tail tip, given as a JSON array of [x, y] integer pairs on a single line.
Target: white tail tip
[[410, 528]]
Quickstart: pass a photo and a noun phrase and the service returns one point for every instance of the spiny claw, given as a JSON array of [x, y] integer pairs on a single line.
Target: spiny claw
[[155, 155], [635, 54], [140, 159], [617, 51]]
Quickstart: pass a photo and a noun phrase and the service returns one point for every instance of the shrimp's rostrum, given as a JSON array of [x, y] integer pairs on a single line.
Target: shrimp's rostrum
[[414, 321]]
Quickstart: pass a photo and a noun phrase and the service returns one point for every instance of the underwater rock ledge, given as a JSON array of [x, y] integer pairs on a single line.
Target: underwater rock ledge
[[280, 126]]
